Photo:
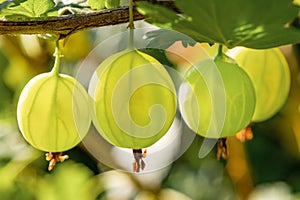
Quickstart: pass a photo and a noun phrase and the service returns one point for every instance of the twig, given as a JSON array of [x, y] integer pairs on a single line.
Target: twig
[[66, 25]]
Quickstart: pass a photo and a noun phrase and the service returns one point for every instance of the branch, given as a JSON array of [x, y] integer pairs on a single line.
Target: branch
[[66, 25]]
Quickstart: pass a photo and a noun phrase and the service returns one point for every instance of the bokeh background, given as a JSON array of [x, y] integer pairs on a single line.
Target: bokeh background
[[266, 167]]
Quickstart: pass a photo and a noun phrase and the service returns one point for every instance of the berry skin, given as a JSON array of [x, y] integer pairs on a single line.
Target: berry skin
[[270, 74], [53, 112], [217, 98], [134, 99]]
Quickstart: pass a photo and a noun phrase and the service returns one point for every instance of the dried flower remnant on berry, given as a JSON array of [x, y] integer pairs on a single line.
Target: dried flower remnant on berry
[[138, 162], [54, 157], [245, 134], [222, 149]]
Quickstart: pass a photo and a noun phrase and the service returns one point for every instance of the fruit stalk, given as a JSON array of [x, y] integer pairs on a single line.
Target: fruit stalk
[[220, 55], [57, 55], [131, 26], [220, 51]]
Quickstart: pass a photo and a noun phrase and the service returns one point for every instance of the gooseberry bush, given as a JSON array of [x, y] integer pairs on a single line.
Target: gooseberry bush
[[133, 98], [135, 94]]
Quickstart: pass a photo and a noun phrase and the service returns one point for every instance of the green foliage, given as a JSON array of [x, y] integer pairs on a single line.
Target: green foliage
[[96, 4], [69, 181], [6, 93], [63, 9], [112, 3], [29, 8], [232, 23], [23, 9], [101, 4], [273, 153], [163, 38]]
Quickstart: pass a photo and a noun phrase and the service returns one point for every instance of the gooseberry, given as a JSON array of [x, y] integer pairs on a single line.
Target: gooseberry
[[269, 72], [134, 99], [53, 112], [217, 98]]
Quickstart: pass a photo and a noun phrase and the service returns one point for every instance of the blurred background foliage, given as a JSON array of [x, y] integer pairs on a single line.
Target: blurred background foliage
[[267, 167]]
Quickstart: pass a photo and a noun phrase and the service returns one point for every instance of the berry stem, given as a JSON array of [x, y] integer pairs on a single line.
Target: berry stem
[[131, 21], [131, 26], [57, 55], [220, 50], [222, 56]]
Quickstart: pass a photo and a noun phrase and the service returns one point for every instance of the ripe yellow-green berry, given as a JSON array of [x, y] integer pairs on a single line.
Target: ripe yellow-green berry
[[217, 98], [53, 112], [134, 99], [270, 74]]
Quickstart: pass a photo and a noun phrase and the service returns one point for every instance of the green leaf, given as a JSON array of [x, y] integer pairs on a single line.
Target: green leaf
[[96, 4], [112, 3], [101, 4], [162, 39], [69, 181], [65, 9], [249, 23], [6, 94], [29, 8]]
